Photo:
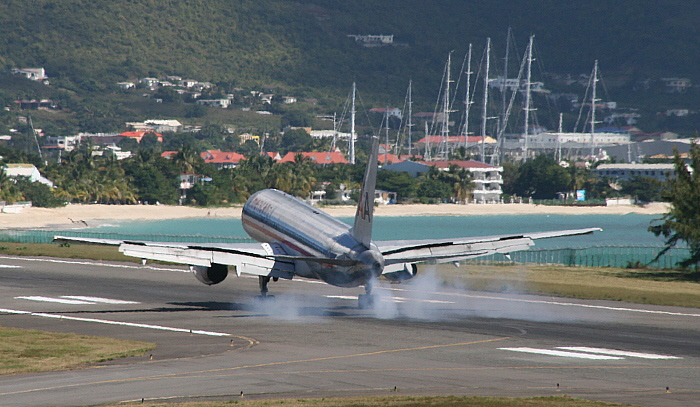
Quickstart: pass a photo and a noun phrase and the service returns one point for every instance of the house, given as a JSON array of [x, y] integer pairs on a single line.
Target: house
[[158, 126], [222, 103], [318, 158], [126, 85], [26, 170], [319, 134], [391, 111], [249, 137], [222, 159], [66, 143], [677, 85], [138, 135], [34, 74]]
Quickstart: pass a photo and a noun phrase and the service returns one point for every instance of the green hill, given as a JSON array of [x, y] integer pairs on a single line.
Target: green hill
[[90, 44]]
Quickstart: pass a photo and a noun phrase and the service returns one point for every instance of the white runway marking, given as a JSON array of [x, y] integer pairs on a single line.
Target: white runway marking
[[58, 300], [108, 322], [562, 353], [615, 352], [9, 266], [98, 299]]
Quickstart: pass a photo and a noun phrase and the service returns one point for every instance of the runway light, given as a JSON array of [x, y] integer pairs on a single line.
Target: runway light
[[668, 389], [557, 386], [150, 357], [231, 342], [241, 393]]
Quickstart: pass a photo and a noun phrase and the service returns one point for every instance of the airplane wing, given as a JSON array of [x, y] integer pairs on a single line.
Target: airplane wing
[[450, 250], [250, 258], [260, 259]]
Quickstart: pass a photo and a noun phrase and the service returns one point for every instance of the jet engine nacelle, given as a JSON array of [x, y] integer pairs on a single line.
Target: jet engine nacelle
[[400, 272], [211, 275]]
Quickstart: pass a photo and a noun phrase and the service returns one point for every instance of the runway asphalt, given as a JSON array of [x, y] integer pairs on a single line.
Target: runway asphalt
[[312, 341]]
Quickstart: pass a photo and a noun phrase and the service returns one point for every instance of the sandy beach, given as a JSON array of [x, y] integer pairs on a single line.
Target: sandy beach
[[93, 214]]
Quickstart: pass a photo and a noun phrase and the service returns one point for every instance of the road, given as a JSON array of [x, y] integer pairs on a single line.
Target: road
[[312, 341]]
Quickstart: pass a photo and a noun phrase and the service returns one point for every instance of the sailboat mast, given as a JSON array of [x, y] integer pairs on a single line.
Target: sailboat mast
[[443, 152], [486, 100], [410, 114], [593, 100], [352, 127], [386, 149], [527, 96], [467, 99]]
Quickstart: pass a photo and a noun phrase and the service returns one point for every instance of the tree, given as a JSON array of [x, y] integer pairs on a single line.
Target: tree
[[682, 222], [644, 189], [541, 178]]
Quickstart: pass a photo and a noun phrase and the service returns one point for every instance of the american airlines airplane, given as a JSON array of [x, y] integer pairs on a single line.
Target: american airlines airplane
[[296, 239]]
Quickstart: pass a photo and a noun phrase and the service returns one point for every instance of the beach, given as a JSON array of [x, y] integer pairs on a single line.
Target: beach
[[89, 215]]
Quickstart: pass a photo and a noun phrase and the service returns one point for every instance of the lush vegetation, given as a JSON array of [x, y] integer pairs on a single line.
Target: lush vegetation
[[301, 48], [680, 224]]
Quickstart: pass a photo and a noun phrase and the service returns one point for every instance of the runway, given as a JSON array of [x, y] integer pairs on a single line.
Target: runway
[[312, 341]]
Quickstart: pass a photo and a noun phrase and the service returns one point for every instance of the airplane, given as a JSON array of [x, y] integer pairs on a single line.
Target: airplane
[[297, 239]]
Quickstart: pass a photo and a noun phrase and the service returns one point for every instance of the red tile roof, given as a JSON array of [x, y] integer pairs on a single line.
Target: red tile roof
[[138, 135], [318, 158], [221, 157]]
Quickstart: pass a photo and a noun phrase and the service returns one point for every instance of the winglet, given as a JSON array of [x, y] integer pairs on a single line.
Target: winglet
[[362, 230]]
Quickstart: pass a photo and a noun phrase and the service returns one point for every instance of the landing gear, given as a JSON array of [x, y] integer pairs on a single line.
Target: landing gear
[[262, 282], [367, 300]]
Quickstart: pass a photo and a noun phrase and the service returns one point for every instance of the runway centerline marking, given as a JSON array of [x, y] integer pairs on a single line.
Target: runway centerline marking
[[552, 352], [56, 300], [98, 299], [616, 352], [109, 322]]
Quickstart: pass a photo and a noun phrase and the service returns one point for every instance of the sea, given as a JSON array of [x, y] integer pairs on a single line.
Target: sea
[[618, 230]]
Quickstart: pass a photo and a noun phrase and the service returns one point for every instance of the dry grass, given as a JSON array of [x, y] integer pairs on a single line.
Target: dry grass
[[396, 401], [28, 351], [71, 251], [628, 285]]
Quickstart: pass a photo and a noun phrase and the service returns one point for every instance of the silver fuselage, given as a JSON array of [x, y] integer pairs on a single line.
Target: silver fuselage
[[272, 216]]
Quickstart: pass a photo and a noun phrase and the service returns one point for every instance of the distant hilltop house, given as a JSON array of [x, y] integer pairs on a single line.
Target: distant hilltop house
[[372, 40], [677, 85], [158, 126], [34, 74], [28, 171], [35, 104], [222, 103], [391, 111]]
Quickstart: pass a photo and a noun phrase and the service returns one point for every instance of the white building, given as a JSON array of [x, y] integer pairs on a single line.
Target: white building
[[319, 134], [625, 172], [34, 74], [159, 126], [26, 170], [222, 103]]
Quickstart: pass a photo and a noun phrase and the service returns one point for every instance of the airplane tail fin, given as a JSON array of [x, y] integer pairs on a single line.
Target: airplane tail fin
[[362, 230]]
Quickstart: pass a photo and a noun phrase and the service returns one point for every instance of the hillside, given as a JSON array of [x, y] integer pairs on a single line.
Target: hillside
[[90, 44]]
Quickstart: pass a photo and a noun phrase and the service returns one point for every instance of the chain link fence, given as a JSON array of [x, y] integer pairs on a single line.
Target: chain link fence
[[596, 256]]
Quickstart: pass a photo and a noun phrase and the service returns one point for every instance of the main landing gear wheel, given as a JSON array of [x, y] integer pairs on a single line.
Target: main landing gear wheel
[[262, 282], [366, 301]]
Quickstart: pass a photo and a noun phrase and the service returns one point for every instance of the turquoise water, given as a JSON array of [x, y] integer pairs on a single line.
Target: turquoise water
[[627, 230]]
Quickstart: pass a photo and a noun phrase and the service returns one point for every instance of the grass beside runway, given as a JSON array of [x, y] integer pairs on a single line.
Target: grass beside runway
[[652, 287], [641, 286], [395, 401], [29, 351]]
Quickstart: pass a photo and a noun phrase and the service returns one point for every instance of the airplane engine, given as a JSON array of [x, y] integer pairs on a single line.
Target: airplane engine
[[400, 272], [211, 275]]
